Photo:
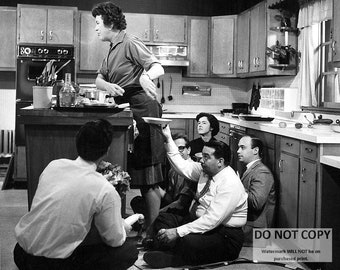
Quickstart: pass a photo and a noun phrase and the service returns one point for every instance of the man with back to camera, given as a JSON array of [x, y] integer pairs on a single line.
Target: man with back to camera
[[71, 196], [207, 127], [259, 184], [213, 231]]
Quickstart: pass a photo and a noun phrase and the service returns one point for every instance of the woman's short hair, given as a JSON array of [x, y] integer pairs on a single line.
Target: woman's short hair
[[214, 124], [93, 139], [111, 15]]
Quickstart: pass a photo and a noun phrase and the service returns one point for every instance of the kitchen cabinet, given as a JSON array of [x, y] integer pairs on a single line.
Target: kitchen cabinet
[[307, 188], [8, 40], [336, 30], [242, 40], [223, 135], [92, 50], [155, 29], [222, 46], [183, 126], [258, 37], [45, 24], [198, 42], [139, 25], [289, 183]]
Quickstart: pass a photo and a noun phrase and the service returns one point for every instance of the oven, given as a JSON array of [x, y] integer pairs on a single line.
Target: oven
[[31, 61]]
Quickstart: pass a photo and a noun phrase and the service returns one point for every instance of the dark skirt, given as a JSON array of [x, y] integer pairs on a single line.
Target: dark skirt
[[148, 151]]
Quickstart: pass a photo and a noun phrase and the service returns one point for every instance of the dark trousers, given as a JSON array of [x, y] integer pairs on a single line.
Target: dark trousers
[[85, 257], [220, 244]]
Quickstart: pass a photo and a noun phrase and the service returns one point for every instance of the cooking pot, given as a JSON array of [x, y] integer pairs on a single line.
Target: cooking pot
[[240, 108], [320, 123]]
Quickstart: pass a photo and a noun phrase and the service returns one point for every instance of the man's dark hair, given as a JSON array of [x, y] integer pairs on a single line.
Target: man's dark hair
[[93, 139], [222, 150], [177, 136], [256, 142], [212, 120], [111, 15]]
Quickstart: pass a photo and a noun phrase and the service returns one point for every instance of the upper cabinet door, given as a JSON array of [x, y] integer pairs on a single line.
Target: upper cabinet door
[[32, 24], [198, 46], [60, 26], [336, 30], [258, 38], [170, 29], [7, 45], [139, 25], [242, 48], [44, 24], [222, 45], [92, 50]]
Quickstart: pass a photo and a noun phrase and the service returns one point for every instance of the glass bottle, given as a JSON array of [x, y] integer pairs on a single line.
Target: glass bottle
[[67, 94]]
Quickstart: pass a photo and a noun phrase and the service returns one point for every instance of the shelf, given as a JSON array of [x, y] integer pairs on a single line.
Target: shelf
[[282, 66], [284, 29]]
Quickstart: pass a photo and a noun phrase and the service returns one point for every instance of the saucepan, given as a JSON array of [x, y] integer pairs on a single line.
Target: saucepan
[[320, 123]]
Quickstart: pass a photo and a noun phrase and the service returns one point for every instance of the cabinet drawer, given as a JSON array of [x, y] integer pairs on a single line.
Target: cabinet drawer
[[223, 138], [224, 128], [309, 150], [290, 145]]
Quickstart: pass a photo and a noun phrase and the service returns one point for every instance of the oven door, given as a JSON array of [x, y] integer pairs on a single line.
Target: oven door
[[28, 69]]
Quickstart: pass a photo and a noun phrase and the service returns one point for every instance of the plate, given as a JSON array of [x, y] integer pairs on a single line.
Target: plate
[[96, 105], [156, 121]]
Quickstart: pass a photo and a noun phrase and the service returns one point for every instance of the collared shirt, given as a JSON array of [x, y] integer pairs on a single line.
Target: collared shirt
[[126, 60], [225, 202], [69, 196], [251, 163]]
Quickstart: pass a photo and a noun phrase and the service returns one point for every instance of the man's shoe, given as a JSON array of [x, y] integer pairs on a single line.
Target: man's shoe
[[148, 243], [161, 259]]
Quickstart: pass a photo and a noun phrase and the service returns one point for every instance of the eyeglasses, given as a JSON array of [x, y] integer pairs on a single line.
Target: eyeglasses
[[181, 148]]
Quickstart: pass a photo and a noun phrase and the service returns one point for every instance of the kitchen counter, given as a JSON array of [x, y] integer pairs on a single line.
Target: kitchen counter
[[50, 134], [306, 134], [333, 161]]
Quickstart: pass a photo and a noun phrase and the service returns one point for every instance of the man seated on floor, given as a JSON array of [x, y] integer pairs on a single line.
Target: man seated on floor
[[213, 231], [72, 196], [259, 184], [179, 192]]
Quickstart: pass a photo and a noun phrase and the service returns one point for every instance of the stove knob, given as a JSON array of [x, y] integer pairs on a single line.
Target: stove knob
[[40, 50], [65, 52], [27, 50], [45, 51], [59, 51]]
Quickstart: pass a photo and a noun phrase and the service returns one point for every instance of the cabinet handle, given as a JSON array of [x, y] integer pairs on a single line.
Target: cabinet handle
[[42, 34], [302, 174], [146, 33], [229, 65], [254, 61], [310, 150], [241, 64], [50, 34], [289, 144], [280, 165], [257, 61], [156, 34]]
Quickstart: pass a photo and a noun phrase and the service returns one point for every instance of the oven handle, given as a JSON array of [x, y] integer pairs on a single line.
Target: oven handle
[[43, 60]]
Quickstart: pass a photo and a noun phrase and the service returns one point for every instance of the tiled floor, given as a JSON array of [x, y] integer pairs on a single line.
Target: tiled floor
[[13, 204]]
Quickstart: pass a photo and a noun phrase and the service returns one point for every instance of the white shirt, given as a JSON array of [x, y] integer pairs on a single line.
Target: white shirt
[[70, 194], [225, 202]]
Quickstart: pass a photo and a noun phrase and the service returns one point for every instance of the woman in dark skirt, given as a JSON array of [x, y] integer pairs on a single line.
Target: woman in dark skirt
[[127, 73]]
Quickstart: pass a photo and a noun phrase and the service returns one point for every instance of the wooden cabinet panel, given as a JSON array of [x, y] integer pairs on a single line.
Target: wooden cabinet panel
[[139, 25], [92, 50], [307, 195], [60, 24], [288, 195], [8, 34], [309, 150], [45, 24], [198, 46], [169, 28], [222, 45], [336, 30], [242, 47], [223, 138], [258, 38], [290, 145]]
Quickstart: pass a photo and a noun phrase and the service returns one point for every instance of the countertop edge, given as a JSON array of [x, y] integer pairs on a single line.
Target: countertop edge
[[333, 161]]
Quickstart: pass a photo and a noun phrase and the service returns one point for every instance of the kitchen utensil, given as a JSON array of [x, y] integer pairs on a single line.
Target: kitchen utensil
[[337, 121], [158, 84], [156, 121], [252, 117], [162, 99], [170, 96], [64, 65], [240, 108]]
